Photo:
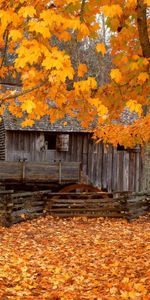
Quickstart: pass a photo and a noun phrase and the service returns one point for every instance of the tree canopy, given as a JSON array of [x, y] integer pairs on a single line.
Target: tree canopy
[[46, 73]]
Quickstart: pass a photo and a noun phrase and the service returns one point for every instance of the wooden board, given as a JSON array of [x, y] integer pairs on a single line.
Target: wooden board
[[66, 172]]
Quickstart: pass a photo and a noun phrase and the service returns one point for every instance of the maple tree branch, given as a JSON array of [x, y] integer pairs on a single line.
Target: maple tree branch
[[12, 96], [11, 84], [142, 28], [82, 10], [5, 48]]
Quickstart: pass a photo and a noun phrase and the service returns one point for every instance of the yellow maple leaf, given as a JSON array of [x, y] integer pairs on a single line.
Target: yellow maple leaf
[[65, 36], [100, 47], [134, 106], [102, 111], [147, 2], [131, 3], [143, 77], [40, 27], [116, 75], [125, 280], [133, 295], [15, 35], [145, 62], [82, 69], [124, 295], [134, 66], [140, 287], [27, 11], [112, 10], [27, 122], [28, 106], [135, 57], [83, 31], [2, 107]]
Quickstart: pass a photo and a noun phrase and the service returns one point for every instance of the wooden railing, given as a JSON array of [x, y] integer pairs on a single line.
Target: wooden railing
[[16, 207], [61, 172]]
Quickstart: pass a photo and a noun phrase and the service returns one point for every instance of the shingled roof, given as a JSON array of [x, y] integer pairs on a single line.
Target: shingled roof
[[67, 124]]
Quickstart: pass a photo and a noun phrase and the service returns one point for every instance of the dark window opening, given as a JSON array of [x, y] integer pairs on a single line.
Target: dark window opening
[[50, 141], [120, 148]]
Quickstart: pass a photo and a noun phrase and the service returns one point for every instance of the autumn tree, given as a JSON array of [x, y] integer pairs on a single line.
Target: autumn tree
[[27, 29]]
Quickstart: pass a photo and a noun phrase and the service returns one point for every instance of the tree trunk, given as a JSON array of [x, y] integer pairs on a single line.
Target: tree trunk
[[142, 28]]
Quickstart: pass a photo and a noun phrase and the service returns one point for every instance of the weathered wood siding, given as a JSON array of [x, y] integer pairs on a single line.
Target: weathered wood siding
[[24, 145], [59, 172], [2, 141], [146, 168], [31, 146], [114, 170], [103, 165]]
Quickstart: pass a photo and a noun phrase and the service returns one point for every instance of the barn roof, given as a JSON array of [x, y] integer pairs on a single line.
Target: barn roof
[[67, 124], [72, 125]]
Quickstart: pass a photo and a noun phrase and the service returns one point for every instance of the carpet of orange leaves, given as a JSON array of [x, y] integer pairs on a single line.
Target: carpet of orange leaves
[[77, 259]]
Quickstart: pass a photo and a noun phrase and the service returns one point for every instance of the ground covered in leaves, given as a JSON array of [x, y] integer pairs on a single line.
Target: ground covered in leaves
[[75, 259]]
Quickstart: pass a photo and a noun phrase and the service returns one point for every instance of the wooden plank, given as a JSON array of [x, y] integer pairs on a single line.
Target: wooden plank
[[118, 171], [138, 172], [104, 166], [109, 169], [86, 202], [126, 171], [39, 171], [99, 166], [6, 192], [88, 214], [132, 171], [2, 141], [90, 161], [98, 195], [87, 209], [114, 170], [85, 155]]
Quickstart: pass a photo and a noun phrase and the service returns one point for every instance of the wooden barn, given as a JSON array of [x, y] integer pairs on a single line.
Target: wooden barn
[[106, 167]]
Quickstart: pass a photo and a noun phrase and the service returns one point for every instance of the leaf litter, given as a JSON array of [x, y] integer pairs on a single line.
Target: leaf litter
[[78, 258]]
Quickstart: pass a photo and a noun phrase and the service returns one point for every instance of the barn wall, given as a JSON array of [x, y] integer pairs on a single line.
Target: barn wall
[[146, 169], [2, 141], [24, 145], [104, 166], [114, 170], [31, 146]]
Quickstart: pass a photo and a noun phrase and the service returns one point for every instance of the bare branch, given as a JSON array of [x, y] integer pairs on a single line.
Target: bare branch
[[82, 10], [11, 83], [12, 96], [5, 48]]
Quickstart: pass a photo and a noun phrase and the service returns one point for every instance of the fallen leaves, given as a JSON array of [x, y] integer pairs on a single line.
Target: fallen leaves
[[77, 258]]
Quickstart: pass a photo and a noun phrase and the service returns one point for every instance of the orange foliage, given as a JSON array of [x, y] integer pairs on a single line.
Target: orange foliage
[[75, 259], [26, 28]]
